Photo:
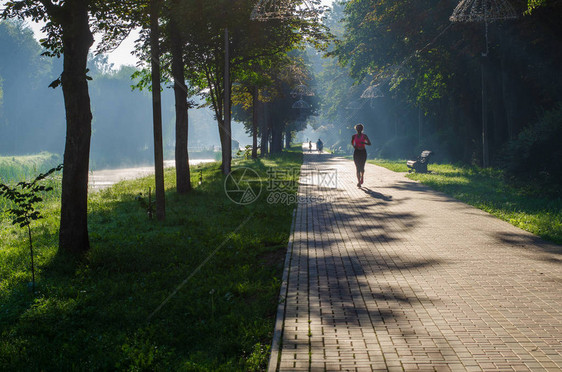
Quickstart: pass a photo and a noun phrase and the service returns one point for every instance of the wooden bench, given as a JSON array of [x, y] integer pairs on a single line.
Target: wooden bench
[[420, 164]]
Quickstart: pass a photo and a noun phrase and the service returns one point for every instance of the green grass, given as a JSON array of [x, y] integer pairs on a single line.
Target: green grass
[[20, 168], [14, 169], [93, 315], [487, 190], [393, 165]]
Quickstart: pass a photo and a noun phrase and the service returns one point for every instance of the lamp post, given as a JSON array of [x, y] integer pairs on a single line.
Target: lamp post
[[372, 92], [483, 11]]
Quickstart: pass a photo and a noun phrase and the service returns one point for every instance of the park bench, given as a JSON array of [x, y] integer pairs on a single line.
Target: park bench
[[420, 164]]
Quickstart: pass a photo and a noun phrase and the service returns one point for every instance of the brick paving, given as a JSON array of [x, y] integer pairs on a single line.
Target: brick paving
[[397, 277]]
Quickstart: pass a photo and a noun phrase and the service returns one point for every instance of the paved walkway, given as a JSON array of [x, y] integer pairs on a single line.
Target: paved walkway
[[395, 276], [102, 179]]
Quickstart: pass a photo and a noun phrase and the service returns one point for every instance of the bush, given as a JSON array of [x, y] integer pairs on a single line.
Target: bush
[[534, 157], [399, 148], [446, 145]]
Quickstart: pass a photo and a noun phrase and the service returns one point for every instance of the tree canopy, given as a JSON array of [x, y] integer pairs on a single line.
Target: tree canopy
[[429, 73]]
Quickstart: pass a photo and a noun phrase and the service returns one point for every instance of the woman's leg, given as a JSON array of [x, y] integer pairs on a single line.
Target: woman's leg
[[362, 161], [356, 160]]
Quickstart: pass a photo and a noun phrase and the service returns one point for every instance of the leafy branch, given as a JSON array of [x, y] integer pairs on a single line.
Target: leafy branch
[[24, 196]]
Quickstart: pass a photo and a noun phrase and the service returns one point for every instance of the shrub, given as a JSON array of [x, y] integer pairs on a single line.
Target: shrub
[[534, 156], [399, 148]]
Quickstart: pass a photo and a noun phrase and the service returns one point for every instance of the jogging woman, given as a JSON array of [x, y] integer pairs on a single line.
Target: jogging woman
[[358, 141]]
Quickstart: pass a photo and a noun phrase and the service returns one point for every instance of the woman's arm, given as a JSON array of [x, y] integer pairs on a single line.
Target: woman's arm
[[352, 141], [367, 140]]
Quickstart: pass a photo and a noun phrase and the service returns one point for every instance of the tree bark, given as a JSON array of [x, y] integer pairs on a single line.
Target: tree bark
[[264, 131], [32, 262], [157, 110], [225, 131], [255, 108], [420, 126], [77, 39], [287, 139], [276, 138], [507, 91], [183, 184], [485, 137]]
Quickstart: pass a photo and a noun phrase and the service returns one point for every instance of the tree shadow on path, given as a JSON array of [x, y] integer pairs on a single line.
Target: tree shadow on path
[[376, 195]]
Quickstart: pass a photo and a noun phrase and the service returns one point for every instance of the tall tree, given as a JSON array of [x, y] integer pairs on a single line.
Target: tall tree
[[69, 34], [255, 121], [183, 183], [281, 84], [429, 71], [157, 109], [77, 40], [249, 41], [170, 47]]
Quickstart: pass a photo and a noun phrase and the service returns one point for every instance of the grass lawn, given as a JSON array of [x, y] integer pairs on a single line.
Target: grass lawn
[[486, 189], [197, 292]]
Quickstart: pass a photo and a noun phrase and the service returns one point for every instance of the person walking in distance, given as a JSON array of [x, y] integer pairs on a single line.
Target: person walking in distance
[[358, 141], [319, 145]]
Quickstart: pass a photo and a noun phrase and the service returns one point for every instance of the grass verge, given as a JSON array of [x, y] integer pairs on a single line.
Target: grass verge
[[20, 168], [94, 314], [14, 169], [487, 190]]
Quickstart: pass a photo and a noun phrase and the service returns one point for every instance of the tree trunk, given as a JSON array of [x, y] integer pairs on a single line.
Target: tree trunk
[[420, 126], [485, 153], [183, 184], [255, 108], [507, 92], [77, 40], [32, 262], [287, 139], [225, 131], [264, 130], [276, 138], [157, 110]]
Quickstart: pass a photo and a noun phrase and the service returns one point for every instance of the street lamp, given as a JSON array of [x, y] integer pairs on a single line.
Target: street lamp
[[284, 9], [483, 11], [301, 90]]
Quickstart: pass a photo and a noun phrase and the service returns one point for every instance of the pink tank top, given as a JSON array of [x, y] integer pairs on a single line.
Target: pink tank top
[[359, 141]]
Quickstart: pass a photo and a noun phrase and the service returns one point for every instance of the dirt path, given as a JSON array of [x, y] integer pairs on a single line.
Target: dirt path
[[102, 179]]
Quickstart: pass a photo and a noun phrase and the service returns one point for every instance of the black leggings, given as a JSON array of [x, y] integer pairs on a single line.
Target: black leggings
[[360, 157]]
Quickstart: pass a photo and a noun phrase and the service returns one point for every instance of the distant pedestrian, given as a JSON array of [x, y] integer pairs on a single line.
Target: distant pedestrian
[[319, 145], [358, 141], [309, 146]]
